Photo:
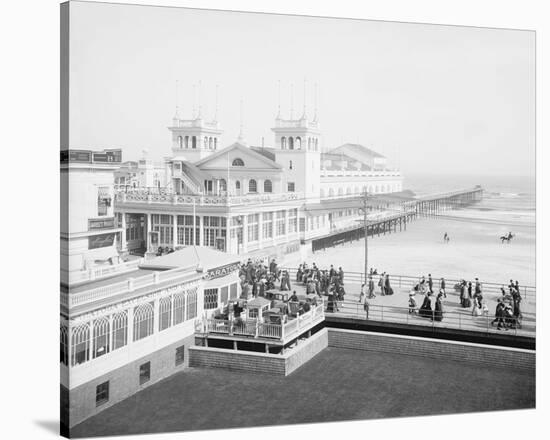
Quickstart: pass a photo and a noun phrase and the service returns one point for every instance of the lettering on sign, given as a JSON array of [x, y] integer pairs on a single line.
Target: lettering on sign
[[222, 271]]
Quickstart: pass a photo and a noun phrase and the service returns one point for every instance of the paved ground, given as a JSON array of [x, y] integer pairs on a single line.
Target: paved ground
[[336, 385]]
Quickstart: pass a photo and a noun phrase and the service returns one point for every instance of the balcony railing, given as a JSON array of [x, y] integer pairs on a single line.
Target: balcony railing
[[256, 329], [155, 195]]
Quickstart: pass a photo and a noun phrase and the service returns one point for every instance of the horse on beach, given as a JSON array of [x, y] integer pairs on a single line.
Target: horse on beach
[[506, 238]]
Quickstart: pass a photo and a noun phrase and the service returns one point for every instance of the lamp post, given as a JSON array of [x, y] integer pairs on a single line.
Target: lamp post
[[365, 222]]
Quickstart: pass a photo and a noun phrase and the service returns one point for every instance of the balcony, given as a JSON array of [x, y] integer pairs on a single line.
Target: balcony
[[160, 196]]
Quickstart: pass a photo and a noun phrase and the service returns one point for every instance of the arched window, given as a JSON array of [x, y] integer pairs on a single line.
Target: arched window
[[205, 143], [223, 185], [120, 330], [180, 142], [179, 308], [186, 141], [194, 142], [331, 192], [165, 313], [348, 191], [309, 143], [238, 162], [268, 186], [210, 143], [238, 186], [376, 189], [340, 191], [291, 143], [298, 143], [143, 321], [252, 186], [64, 345], [316, 144], [283, 143], [80, 344], [215, 143], [101, 337]]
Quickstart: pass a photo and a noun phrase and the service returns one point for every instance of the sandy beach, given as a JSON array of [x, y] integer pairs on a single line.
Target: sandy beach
[[474, 250]]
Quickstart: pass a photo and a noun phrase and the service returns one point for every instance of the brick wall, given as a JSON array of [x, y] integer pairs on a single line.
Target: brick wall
[[253, 362], [460, 351], [124, 381]]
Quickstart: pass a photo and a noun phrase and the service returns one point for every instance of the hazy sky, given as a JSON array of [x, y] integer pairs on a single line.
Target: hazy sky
[[438, 99]]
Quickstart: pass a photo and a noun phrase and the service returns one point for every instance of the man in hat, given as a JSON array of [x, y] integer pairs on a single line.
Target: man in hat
[[430, 283]]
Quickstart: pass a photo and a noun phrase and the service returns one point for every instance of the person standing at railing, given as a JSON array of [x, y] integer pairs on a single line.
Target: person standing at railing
[[438, 310], [387, 287], [381, 284], [341, 275], [362, 293], [430, 284], [442, 287], [371, 288]]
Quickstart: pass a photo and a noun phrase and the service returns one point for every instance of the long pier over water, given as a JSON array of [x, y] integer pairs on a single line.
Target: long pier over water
[[424, 206]]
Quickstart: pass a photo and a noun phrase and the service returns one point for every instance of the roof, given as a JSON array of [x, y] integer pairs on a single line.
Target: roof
[[258, 302], [267, 152], [242, 147], [205, 257], [88, 285], [360, 149]]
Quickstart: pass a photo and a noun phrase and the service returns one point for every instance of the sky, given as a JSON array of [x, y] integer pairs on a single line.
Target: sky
[[433, 99]]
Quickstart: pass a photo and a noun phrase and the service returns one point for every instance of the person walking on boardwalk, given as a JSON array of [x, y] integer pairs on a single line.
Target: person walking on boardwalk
[[363, 293], [381, 283], [341, 275], [371, 288], [438, 310], [388, 290], [430, 283], [445, 238], [442, 287], [477, 287], [366, 307]]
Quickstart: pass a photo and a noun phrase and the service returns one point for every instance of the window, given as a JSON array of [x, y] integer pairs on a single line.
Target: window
[[214, 227], [102, 393], [267, 225], [223, 185], [194, 142], [185, 230], [268, 186], [290, 143], [290, 186], [63, 345], [120, 330], [280, 227], [179, 308], [103, 200], [238, 162], [253, 227], [163, 224], [238, 186], [165, 313], [233, 291], [205, 143], [180, 355], [144, 373], [292, 221], [224, 295], [298, 143], [210, 299], [186, 141], [252, 186], [283, 143], [192, 304], [180, 142], [101, 337], [143, 321], [80, 344]]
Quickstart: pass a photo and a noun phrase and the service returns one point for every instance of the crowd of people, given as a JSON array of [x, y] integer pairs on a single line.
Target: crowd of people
[[508, 310]]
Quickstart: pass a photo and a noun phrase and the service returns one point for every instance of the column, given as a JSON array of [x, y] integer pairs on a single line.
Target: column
[[156, 315], [260, 230], [123, 244], [91, 343], [286, 225], [228, 234], [174, 231]]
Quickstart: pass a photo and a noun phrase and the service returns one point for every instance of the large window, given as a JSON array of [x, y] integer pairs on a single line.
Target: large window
[[135, 226], [80, 344], [210, 299], [252, 186], [163, 224], [101, 336], [185, 230], [253, 227], [102, 393], [267, 226], [238, 162], [165, 313], [143, 321], [292, 221], [280, 227], [120, 330], [290, 186], [224, 295], [214, 227], [223, 185], [268, 186], [179, 308], [144, 373], [233, 291], [103, 200]]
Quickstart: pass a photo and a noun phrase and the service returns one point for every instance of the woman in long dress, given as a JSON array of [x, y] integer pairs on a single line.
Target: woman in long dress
[[438, 312], [426, 307]]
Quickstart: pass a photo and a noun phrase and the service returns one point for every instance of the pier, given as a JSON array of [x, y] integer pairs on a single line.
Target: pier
[[425, 206]]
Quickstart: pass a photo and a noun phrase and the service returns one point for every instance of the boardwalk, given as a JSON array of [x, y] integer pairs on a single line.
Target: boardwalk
[[394, 308]]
